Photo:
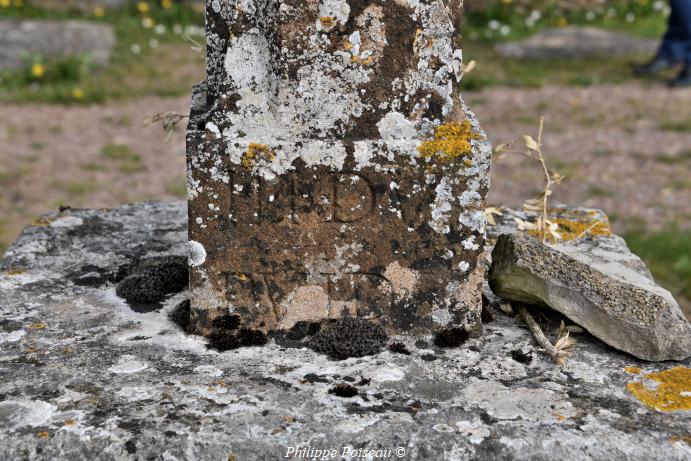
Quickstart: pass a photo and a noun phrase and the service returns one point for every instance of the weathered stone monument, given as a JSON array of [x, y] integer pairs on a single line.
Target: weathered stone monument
[[333, 168]]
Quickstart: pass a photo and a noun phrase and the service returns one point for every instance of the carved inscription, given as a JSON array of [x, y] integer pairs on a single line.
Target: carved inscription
[[346, 197]]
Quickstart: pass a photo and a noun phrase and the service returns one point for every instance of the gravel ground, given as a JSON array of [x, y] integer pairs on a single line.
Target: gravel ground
[[625, 149]]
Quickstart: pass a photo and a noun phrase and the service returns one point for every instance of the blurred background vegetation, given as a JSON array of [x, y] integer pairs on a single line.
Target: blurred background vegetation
[[72, 134]]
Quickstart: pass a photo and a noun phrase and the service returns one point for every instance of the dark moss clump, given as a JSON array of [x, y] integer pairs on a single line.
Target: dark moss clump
[[314, 378], [227, 340], [521, 357], [180, 315], [343, 390], [302, 329], [149, 280], [295, 337], [349, 337], [451, 337], [399, 348], [421, 344]]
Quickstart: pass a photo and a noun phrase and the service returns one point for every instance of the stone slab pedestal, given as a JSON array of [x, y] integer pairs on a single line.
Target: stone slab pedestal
[[83, 376]]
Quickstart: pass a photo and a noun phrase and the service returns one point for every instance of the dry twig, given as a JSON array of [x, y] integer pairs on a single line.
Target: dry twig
[[543, 226], [557, 351], [169, 120]]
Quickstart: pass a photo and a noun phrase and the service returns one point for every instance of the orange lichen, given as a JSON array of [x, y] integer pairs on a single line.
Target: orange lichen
[[368, 61], [633, 370], [255, 152], [672, 394], [572, 229], [451, 140], [37, 326], [15, 271]]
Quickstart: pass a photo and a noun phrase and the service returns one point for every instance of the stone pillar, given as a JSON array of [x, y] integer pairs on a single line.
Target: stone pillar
[[333, 167]]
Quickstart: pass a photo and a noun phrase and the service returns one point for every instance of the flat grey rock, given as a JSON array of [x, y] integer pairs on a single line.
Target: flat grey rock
[[83, 376], [80, 5], [595, 283], [574, 42], [22, 39]]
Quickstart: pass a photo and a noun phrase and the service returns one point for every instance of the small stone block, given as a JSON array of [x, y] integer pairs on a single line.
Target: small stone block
[[334, 169]]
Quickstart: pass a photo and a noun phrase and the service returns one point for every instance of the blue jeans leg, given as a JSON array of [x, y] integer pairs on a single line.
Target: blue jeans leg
[[676, 45]]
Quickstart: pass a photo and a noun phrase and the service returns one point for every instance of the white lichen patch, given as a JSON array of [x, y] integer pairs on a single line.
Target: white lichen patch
[[441, 208], [209, 370], [337, 9], [247, 62], [442, 316], [67, 221], [12, 336], [15, 414], [197, 253], [507, 403], [388, 373], [128, 364], [474, 430]]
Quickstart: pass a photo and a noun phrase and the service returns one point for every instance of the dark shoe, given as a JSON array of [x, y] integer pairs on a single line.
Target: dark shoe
[[653, 67], [683, 80]]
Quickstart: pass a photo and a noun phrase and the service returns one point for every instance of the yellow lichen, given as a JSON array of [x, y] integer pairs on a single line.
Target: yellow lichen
[[451, 140], [680, 438], [255, 152], [368, 61], [633, 370], [327, 22], [42, 221], [570, 229], [15, 271], [672, 394]]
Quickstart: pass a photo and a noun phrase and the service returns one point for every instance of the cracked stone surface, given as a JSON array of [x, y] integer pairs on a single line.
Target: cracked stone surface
[[333, 167], [83, 376]]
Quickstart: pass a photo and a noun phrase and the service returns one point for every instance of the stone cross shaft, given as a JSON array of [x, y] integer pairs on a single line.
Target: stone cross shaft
[[334, 169]]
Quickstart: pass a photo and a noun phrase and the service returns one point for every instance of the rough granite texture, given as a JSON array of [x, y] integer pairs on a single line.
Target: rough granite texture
[[596, 282], [333, 167], [83, 376]]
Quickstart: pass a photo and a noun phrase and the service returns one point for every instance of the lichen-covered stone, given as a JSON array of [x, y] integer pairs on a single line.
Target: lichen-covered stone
[[599, 287], [84, 377], [333, 167]]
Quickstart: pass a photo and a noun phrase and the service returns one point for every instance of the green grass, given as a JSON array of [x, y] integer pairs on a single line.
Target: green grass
[[127, 160], [81, 188], [510, 20], [668, 256], [493, 70], [177, 187], [73, 80], [681, 125]]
